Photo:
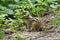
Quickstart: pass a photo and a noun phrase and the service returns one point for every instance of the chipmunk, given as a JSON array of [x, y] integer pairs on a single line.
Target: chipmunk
[[38, 24], [27, 19], [33, 23]]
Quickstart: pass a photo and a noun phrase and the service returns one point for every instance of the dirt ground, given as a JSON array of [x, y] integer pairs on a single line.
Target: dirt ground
[[39, 35]]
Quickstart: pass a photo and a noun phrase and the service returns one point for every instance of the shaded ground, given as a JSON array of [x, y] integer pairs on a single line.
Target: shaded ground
[[39, 35]]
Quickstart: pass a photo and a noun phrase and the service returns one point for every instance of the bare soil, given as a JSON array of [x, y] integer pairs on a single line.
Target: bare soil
[[39, 35]]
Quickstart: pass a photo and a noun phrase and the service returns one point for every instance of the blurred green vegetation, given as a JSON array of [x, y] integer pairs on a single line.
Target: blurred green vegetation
[[1, 34], [11, 11]]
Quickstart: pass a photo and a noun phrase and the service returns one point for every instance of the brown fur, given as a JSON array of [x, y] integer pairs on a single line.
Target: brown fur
[[34, 23]]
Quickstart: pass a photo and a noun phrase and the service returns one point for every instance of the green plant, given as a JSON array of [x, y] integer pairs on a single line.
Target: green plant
[[1, 34], [19, 36], [56, 21], [18, 8]]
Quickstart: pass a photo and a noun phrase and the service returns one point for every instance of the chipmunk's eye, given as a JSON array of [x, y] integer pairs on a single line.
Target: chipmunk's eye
[[28, 16]]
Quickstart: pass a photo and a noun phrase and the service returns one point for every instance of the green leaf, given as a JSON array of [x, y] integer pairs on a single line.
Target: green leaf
[[13, 6], [9, 11], [1, 34], [19, 36], [16, 0]]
